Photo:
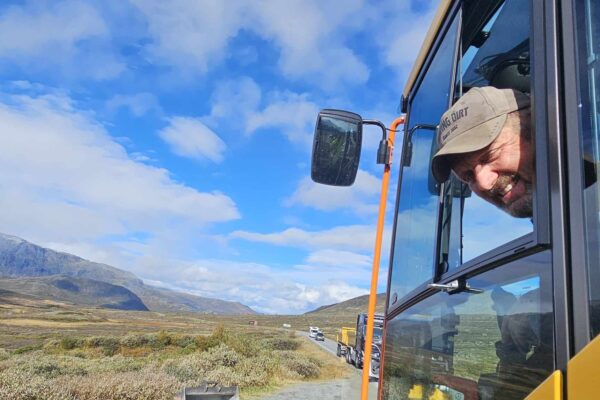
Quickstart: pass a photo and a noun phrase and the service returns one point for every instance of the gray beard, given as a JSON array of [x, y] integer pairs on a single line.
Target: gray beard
[[523, 207], [520, 208]]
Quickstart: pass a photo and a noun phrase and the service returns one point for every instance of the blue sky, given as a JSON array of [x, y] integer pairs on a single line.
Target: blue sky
[[174, 141]]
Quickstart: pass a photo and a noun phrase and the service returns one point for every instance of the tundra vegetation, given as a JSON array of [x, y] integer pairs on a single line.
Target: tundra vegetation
[[158, 365], [53, 351]]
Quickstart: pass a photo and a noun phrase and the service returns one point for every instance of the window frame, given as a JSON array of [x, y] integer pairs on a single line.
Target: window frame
[[543, 228], [578, 258], [539, 238], [510, 271], [393, 306]]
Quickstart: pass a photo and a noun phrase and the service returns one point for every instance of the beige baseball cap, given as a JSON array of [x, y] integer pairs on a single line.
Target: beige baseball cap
[[472, 123]]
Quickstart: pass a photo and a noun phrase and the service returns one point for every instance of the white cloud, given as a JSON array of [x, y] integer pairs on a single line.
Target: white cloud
[[400, 47], [189, 34], [342, 291], [235, 98], [240, 99], [138, 104], [264, 288], [362, 197], [194, 36], [351, 237], [293, 114], [67, 37], [65, 179], [401, 51], [340, 258], [310, 37], [188, 137]]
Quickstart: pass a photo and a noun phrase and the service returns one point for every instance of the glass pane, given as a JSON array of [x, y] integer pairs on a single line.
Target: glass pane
[[474, 226], [413, 254], [495, 342], [337, 154], [588, 22], [485, 227]]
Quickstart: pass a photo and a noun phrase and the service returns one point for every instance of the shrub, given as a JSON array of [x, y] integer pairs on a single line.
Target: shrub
[[189, 369], [47, 369], [135, 367], [17, 385], [132, 341], [144, 385], [225, 376], [222, 355], [204, 343], [101, 341], [256, 371], [135, 351], [304, 367], [219, 332], [283, 344], [183, 341], [189, 349], [27, 349], [163, 339], [70, 343]]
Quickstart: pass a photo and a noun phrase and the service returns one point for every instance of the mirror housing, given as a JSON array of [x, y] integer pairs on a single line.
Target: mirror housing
[[336, 147]]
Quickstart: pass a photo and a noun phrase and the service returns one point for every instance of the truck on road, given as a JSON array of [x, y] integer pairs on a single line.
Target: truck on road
[[346, 338], [351, 343]]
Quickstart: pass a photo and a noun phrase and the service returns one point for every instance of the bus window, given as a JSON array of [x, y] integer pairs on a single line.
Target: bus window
[[415, 225], [498, 56], [588, 36], [495, 342]]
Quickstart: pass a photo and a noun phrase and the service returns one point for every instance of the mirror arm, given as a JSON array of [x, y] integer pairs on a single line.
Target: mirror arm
[[383, 152], [408, 148]]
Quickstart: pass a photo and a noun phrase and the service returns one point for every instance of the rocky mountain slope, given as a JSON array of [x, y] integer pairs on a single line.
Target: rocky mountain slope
[[351, 307], [24, 260], [82, 291]]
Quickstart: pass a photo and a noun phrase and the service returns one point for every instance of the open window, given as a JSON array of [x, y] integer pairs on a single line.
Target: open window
[[495, 52]]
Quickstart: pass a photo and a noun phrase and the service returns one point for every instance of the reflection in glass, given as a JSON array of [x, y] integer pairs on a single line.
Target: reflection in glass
[[415, 222], [588, 17], [497, 344], [486, 227], [336, 157], [415, 225]]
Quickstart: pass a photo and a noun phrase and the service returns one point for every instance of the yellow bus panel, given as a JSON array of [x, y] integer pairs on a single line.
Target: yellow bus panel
[[582, 373]]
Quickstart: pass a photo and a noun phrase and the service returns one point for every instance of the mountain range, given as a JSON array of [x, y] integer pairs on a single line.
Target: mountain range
[[36, 271], [352, 306]]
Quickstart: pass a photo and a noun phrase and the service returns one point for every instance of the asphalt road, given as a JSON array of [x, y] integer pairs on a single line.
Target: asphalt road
[[327, 344]]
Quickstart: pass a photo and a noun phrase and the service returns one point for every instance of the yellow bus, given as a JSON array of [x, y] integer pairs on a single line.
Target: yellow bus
[[480, 304]]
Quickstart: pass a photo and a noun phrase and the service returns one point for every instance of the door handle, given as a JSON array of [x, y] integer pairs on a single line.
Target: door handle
[[454, 287]]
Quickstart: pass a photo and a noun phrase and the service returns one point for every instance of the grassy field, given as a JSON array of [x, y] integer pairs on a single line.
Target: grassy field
[[51, 351]]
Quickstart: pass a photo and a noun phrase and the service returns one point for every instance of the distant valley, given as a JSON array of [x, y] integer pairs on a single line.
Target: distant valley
[[32, 270]]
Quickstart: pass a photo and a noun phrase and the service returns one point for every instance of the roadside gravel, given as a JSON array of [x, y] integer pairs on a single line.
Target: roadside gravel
[[339, 389]]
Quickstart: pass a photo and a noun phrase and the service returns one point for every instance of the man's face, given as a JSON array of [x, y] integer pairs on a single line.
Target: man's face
[[501, 173]]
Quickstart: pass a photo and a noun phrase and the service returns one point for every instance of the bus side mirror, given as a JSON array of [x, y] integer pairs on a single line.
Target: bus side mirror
[[336, 147]]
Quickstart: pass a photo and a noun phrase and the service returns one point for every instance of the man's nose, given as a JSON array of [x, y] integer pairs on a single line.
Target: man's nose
[[483, 178]]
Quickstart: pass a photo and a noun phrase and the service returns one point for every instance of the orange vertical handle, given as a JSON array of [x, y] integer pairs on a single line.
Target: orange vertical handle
[[376, 257]]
